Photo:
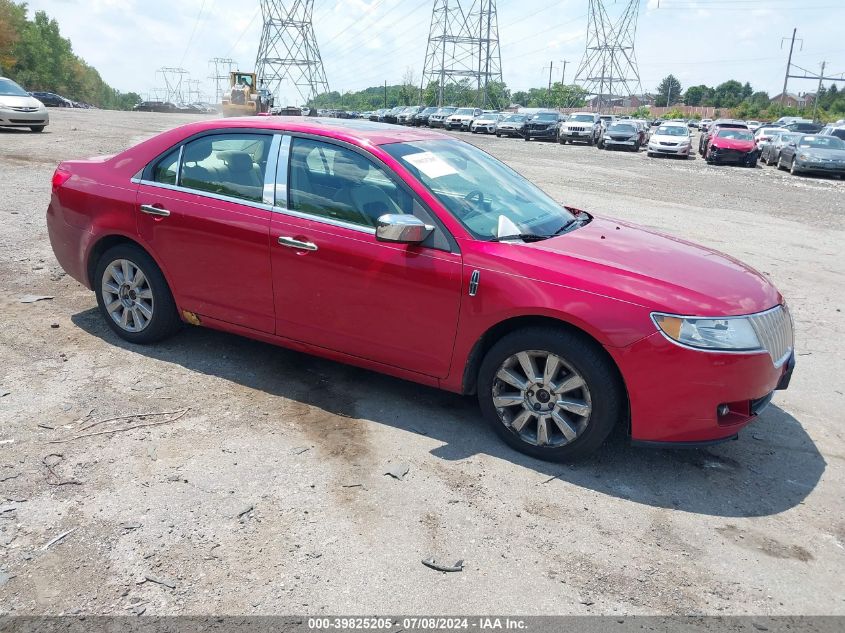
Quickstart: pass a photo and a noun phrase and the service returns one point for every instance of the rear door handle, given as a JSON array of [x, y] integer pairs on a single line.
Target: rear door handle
[[151, 210], [292, 243]]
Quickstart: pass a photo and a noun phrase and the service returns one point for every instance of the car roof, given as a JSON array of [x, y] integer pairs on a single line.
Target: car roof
[[357, 131]]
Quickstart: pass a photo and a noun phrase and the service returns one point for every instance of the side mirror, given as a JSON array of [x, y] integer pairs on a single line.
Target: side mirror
[[402, 229]]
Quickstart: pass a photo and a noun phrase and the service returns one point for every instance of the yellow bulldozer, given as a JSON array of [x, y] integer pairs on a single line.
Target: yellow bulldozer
[[244, 97]]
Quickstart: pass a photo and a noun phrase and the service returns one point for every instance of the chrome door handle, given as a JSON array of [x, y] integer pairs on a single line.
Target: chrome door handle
[[151, 210], [292, 243]]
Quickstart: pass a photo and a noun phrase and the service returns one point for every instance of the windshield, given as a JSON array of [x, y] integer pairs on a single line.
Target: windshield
[[622, 127], [544, 116], [464, 111], [9, 88], [487, 197], [821, 142], [736, 134], [445, 110], [515, 117], [582, 117], [672, 130]]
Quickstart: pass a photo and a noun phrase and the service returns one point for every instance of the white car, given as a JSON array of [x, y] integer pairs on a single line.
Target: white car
[[19, 109], [485, 122], [461, 119], [670, 139]]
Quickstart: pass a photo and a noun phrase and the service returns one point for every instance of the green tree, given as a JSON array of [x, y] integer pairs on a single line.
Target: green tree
[[668, 91], [729, 94], [34, 54], [698, 95]]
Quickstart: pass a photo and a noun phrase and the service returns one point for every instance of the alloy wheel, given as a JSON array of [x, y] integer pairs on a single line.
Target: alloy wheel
[[542, 398], [127, 295]]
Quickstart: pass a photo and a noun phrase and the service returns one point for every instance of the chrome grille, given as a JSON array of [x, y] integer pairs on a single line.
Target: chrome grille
[[774, 329], [577, 129]]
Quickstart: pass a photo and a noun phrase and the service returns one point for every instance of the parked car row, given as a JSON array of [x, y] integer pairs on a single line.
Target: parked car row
[[166, 106], [797, 145]]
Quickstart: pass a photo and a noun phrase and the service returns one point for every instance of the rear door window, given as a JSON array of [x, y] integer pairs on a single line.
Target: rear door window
[[231, 165]]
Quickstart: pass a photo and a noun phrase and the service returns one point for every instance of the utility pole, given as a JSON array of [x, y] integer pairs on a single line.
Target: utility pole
[[818, 92], [385, 93], [563, 74], [551, 68], [669, 95], [789, 63]]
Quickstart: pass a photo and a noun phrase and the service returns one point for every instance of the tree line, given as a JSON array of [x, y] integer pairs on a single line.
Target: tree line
[[34, 54], [744, 101]]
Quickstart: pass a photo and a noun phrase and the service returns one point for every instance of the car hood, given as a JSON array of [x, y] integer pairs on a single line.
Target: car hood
[[732, 143], [816, 152], [12, 101], [654, 270]]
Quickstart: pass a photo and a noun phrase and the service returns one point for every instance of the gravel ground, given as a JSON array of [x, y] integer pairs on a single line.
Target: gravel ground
[[269, 495]]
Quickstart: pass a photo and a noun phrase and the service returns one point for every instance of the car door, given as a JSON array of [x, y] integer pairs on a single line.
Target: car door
[[336, 286], [202, 212]]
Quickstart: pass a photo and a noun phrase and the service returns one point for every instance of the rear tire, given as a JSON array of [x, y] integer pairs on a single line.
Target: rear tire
[[792, 169], [163, 320], [585, 382]]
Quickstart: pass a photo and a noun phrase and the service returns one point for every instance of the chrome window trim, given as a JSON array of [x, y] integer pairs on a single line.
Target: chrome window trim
[[208, 194], [268, 195], [281, 171], [324, 220], [179, 165]]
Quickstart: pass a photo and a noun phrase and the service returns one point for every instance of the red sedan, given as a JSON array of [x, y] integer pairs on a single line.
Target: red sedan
[[729, 145], [418, 255]]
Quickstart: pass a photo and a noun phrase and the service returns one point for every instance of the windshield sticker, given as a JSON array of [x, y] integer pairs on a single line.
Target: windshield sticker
[[430, 164]]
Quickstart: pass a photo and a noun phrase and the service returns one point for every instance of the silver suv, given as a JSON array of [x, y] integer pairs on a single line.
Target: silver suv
[[581, 127]]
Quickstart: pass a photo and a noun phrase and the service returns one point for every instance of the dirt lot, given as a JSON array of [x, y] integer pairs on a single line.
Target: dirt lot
[[269, 495]]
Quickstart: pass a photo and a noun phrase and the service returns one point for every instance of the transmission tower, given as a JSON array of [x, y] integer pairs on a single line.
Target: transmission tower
[[608, 69], [175, 84], [288, 50], [222, 67], [463, 55]]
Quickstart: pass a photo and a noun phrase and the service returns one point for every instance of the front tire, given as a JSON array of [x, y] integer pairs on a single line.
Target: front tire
[[792, 169], [550, 393], [133, 295], [37, 128]]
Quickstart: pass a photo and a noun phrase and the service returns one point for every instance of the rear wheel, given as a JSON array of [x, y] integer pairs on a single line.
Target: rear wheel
[[550, 393], [133, 295], [37, 128], [792, 168], [780, 162]]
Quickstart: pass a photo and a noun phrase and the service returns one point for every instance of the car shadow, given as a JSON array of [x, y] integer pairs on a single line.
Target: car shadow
[[772, 467]]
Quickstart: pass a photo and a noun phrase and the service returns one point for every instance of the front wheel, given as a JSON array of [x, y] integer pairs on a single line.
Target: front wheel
[[37, 128], [527, 138], [550, 393], [792, 168], [133, 295]]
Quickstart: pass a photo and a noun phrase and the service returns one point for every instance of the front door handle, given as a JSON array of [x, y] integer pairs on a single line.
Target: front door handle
[[152, 210], [292, 243]]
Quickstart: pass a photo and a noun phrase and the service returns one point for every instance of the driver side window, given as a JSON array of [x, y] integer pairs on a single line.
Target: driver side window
[[334, 182]]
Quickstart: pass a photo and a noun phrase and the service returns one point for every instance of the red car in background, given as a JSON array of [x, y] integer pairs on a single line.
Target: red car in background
[[415, 254], [731, 145]]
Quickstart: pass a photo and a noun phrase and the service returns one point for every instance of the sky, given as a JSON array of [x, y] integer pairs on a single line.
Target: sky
[[366, 42]]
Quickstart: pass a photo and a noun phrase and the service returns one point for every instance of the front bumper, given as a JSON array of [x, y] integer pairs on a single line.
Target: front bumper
[[436, 123], [675, 392], [819, 167], [609, 142], [509, 131], [576, 136], [541, 132], [16, 118], [486, 128], [732, 156], [676, 150]]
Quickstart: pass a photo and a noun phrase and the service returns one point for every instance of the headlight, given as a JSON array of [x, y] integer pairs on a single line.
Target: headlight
[[802, 157], [731, 333]]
